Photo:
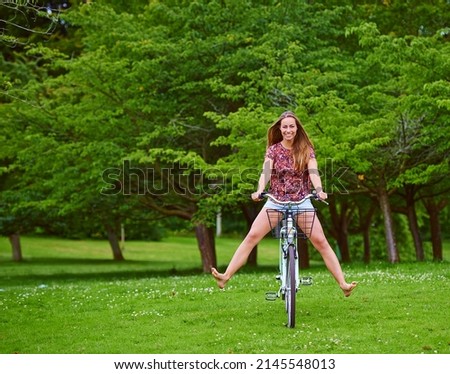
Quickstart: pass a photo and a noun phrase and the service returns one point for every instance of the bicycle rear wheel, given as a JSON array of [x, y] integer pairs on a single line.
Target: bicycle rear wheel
[[291, 287]]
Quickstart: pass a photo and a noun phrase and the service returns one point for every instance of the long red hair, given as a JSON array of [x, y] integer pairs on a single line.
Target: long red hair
[[302, 145]]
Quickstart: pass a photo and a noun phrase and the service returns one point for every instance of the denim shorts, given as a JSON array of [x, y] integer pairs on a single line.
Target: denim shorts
[[306, 205]]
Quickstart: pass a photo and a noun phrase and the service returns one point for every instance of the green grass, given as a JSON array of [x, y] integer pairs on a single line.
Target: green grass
[[69, 297]]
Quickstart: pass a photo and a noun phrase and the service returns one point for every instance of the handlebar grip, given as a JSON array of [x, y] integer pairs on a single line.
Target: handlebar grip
[[321, 200], [262, 195], [316, 197]]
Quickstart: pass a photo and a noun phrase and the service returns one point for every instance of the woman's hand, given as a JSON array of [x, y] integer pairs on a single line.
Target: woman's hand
[[255, 196], [322, 195]]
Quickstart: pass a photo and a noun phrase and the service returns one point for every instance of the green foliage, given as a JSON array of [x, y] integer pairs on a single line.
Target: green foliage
[[25, 20], [191, 87]]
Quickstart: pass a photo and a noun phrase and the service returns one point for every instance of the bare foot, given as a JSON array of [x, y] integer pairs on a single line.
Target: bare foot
[[221, 279], [348, 288]]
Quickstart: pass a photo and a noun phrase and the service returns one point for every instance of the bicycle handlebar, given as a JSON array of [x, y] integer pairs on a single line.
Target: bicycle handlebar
[[309, 196]]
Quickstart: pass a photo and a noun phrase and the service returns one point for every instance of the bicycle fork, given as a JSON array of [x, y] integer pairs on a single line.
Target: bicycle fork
[[288, 234], [283, 274]]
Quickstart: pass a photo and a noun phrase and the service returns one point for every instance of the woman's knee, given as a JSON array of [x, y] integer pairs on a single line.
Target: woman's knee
[[318, 238], [254, 237], [320, 242]]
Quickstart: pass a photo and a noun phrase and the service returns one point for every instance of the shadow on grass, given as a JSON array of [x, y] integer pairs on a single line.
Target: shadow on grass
[[54, 270], [44, 270]]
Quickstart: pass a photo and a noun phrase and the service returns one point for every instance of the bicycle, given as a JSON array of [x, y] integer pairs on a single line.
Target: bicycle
[[289, 224]]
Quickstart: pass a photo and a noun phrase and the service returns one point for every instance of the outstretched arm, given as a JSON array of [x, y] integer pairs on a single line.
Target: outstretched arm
[[314, 176], [263, 179]]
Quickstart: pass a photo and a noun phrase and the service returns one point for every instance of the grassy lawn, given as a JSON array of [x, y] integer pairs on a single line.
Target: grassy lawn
[[69, 297]]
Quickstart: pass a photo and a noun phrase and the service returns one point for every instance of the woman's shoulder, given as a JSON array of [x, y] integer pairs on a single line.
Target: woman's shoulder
[[275, 146], [273, 150]]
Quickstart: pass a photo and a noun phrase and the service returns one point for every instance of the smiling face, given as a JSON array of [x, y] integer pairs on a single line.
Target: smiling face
[[288, 128]]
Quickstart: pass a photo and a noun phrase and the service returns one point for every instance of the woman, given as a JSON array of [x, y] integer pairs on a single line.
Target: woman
[[291, 166]]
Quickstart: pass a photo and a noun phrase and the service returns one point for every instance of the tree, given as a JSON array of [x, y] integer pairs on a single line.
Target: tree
[[410, 65], [164, 109], [22, 21]]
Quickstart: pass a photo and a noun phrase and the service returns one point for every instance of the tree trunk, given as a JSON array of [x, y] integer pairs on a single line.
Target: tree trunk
[[364, 224], [366, 238], [391, 245], [435, 228], [207, 247], [412, 221], [342, 239], [14, 239], [340, 229], [303, 253], [114, 243]]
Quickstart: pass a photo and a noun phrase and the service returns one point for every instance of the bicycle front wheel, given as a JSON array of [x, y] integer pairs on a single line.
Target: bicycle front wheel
[[291, 290]]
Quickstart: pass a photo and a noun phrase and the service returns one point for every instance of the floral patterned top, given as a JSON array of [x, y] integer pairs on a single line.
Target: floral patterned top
[[287, 184]]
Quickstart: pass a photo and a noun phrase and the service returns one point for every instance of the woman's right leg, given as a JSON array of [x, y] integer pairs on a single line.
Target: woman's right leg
[[259, 229]]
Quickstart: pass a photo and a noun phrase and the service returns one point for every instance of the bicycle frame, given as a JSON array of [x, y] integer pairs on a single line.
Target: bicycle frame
[[288, 237], [288, 256]]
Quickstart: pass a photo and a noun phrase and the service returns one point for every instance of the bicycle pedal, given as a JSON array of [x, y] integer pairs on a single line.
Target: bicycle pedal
[[306, 281], [271, 296]]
